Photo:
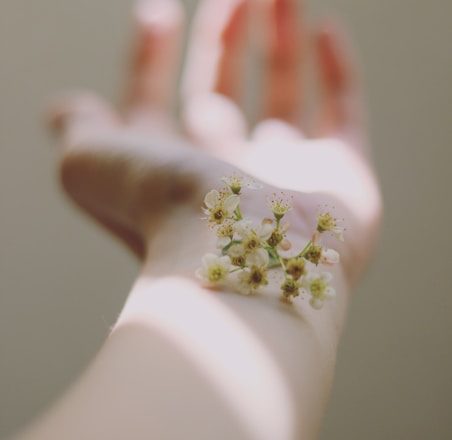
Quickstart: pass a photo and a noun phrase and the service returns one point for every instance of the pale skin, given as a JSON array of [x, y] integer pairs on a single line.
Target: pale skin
[[185, 361]]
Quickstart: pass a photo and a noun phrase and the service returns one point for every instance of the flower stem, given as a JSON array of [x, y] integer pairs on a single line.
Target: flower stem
[[281, 262], [305, 249], [238, 213], [236, 269]]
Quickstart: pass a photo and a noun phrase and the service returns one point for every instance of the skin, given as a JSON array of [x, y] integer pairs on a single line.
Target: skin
[[184, 361]]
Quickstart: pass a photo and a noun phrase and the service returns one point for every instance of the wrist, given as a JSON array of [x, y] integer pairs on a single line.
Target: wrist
[[178, 245]]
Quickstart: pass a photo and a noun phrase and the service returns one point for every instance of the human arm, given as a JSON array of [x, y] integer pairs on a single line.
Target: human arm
[[150, 196]]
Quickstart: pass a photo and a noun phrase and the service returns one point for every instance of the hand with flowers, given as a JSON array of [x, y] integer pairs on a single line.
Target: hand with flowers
[[132, 169], [145, 172]]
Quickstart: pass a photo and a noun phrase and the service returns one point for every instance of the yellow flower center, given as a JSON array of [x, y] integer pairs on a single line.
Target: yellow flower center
[[216, 273], [325, 222], [317, 287], [218, 215], [296, 268], [290, 287]]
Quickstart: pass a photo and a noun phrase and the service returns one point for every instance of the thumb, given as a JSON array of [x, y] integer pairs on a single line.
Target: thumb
[[77, 114]]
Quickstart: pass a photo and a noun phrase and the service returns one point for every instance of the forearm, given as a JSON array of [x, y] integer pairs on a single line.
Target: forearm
[[186, 362]]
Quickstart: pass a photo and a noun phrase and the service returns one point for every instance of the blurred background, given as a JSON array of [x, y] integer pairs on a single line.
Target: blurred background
[[63, 280]]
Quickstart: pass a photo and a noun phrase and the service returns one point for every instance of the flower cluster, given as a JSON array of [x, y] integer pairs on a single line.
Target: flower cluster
[[249, 252]]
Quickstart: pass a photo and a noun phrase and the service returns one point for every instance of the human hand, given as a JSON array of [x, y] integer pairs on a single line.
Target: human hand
[[136, 169]]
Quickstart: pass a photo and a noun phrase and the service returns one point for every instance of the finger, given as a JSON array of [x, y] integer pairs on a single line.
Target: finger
[[80, 114], [151, 83], [230, 67], [216, 52], [341, 111], [213, 76], [283, 55]]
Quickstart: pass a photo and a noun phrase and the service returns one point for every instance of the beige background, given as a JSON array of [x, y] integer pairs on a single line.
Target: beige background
[[62, 281]]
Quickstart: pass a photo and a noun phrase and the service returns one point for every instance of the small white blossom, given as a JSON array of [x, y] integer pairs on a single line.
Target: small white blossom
[[241, 256], [313, 254], [250, 279], [236, 183], [252, 238], [254, 276], [318, 287], [225, 232], [220, 206], [214, 269], [296, 267], [279, 206], [325, 222], [290, 288]]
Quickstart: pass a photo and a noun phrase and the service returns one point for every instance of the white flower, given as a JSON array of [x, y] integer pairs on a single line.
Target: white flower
[[241, 256], [290, 288], [225, 232], [251, 279], [220, 205], [318, 286], [214, 269], [280, 206], [236, 183], [237, 254], [329, 257], [252, 238], [325, 222], [277, 237], [296, 267], [254, 276], [317, 254]]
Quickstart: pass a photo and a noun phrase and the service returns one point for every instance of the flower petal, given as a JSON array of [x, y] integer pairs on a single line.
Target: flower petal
[[236, 250], [258, 258], [329, 257], [231, 203], [209, 259], [212, 198], [316, 303], [338, 233], [222, 242], [329, 293], [326, 277], [265, 231]]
